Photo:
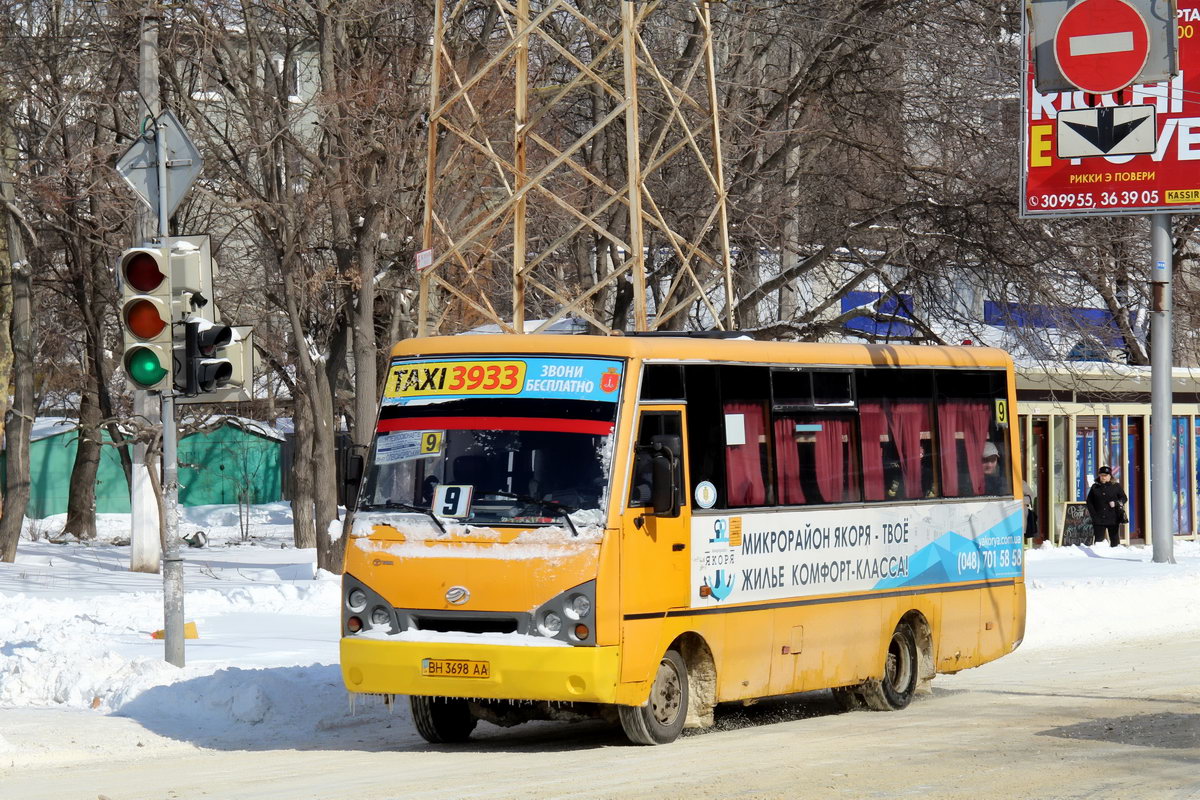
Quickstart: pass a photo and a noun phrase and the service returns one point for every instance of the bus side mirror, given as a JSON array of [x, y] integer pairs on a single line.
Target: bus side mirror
[[352, 475], [664, 491]]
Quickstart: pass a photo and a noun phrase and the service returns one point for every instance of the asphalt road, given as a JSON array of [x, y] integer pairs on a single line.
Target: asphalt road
[[1111, 721]]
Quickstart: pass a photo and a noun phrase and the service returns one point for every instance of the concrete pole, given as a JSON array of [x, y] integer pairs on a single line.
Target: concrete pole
[[172, 560], [1162, 525], [145, 552]]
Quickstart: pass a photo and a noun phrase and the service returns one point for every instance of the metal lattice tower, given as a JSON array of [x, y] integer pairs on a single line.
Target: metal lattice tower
[[574, 167]]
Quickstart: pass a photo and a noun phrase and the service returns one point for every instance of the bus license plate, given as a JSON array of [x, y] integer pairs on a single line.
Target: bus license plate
[[455, 668]]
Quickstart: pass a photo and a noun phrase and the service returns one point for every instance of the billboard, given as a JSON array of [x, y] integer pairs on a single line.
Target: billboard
[[1164, 180]]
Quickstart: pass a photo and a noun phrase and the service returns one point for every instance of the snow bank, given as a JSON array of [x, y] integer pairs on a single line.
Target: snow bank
[[1086, 594]]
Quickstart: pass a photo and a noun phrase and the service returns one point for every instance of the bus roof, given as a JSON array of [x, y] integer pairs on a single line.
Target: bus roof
[[701, 349]]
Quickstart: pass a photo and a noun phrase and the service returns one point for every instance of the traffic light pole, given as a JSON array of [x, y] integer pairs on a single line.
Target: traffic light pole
[[172, 560], [145, 552]]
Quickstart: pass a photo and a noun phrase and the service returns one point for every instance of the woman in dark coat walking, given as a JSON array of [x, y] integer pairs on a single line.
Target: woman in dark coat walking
[[1106, 504]]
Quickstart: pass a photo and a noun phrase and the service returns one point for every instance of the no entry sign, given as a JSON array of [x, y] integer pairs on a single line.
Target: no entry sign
[[1101, 45]]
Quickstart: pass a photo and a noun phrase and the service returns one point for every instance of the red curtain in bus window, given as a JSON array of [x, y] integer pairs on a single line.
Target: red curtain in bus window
[[907, 420], [787, 463], [743, 465], [874, 427], [971, 420], [831, 459]]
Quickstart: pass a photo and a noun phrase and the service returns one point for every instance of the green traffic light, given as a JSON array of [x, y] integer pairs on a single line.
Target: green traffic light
[[143, 367]]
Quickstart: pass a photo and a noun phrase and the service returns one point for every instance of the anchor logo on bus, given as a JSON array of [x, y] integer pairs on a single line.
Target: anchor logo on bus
[[720, 588]]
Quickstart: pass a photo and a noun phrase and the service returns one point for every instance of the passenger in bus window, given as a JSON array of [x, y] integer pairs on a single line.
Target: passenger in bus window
[[993, 479], [892, 479]]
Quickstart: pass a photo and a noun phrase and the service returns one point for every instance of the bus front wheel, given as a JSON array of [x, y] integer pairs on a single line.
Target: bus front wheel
[[896, 688], [660, 720], [442, 720]]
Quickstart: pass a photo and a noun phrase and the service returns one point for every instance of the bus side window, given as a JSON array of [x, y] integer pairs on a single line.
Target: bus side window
[[974, 452], [816, 458], [897, 435], [745, 437], [745, 398], [706, 430]]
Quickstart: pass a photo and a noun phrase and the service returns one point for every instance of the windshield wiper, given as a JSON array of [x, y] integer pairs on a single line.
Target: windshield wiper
[[392, 504], [558, 508]]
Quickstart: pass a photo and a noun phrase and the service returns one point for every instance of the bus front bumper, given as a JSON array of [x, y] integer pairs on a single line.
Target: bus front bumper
[[570, 674]]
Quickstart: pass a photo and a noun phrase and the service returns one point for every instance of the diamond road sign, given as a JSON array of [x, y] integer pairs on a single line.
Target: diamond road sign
[[139, 165]]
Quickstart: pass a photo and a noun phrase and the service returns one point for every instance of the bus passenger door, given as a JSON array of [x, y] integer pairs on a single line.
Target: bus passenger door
[[655, 561]]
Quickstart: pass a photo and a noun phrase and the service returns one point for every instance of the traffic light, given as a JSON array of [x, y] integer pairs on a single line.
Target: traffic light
[[146, 317], [205, 367], [239, 353]]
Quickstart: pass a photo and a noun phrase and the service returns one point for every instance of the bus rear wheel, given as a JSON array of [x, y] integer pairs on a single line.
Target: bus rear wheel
[[896, 688], [661, 719], [442, 720]]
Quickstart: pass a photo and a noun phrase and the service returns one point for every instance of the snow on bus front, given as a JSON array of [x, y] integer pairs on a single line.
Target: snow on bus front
[[488, 470]]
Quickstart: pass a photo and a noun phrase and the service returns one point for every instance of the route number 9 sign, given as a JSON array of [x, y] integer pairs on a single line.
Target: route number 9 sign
[[452, 500]]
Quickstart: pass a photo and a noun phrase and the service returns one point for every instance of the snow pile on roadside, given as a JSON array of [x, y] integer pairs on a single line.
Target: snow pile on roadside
[[76, 624], [1085, 594]]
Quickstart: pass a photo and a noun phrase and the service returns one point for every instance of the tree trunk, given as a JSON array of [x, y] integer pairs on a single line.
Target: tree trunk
[[304, 532], [81, 504], [366, 377], [6, 353], [19, 419], [329, 546], [19, 423]]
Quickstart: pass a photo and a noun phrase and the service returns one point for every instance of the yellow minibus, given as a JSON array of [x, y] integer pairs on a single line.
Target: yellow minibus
[[641, 527]]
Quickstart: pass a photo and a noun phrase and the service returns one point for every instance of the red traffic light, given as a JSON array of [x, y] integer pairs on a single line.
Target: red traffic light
[[142, 272]]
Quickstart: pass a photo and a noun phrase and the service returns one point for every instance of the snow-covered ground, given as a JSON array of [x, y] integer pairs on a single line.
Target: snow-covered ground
[[76, 624]]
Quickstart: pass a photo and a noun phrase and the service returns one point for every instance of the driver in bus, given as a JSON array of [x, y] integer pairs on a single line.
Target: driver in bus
[[428, 488]]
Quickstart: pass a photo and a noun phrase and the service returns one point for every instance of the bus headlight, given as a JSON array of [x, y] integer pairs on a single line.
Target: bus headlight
[[551, 624], [570, 616], [363, 608], [577, 606]]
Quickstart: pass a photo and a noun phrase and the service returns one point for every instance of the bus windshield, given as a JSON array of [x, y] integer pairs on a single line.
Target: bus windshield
[[525, 458]]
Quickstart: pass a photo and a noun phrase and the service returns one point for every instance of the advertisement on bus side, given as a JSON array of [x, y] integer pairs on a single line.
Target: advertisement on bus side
[[777, 555]]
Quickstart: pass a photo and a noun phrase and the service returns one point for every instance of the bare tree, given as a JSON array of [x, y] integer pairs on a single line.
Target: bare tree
[[16, 350], [309, 119]]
